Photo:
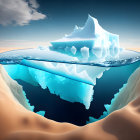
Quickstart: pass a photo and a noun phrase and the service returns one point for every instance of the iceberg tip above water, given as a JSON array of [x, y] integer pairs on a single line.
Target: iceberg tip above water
[[89, 45], [85, 48], [92, 36]]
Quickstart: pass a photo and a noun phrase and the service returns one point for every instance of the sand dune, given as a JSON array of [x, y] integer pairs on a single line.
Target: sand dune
[[18, 123], [129, 92]]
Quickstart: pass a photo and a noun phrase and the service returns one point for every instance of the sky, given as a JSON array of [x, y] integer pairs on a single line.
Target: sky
[[32, 23]]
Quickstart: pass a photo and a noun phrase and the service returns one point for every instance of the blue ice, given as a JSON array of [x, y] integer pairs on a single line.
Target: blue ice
[[69, 66]]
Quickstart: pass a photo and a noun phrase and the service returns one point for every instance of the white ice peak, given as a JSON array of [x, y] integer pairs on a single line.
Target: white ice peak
[[89, 31]]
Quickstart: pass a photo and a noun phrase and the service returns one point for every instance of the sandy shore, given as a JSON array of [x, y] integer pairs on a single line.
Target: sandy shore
[[18, 123], [135, 49], [9, 49]]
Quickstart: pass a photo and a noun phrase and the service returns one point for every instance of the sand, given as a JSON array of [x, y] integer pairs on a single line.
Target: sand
[[4, 49], [18, 123], [129, 92], [14, 117]]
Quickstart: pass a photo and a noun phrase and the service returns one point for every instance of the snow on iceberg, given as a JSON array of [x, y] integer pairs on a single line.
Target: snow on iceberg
[[92, 36]]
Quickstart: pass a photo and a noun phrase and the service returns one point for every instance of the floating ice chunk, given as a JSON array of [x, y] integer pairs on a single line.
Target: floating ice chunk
[[92, 119], [85, 52], [42, 113], [73, 50]]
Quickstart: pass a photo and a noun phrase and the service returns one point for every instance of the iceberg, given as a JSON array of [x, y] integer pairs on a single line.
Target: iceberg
[[70, 66], [102, 49], [92, 36], [69, 90], [42, 113]]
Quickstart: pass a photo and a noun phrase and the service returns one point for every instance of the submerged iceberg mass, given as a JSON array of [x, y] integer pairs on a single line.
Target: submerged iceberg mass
[[67, 89]]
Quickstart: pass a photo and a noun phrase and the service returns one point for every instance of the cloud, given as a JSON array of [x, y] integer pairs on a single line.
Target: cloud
[[33, 3], [19, 12]]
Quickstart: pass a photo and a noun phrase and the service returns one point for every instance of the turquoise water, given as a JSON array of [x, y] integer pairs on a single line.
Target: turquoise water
[[56, 108]]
